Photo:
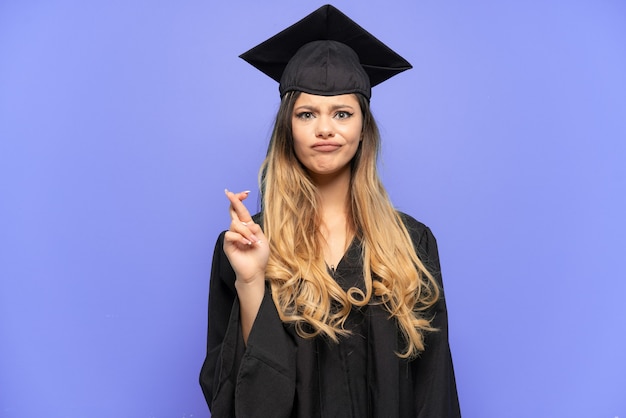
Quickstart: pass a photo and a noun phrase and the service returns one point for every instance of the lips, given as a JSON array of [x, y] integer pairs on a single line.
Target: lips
[[326, 146]]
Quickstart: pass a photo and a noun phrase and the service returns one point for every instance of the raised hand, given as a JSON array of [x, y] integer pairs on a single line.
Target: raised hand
[[247, 250]]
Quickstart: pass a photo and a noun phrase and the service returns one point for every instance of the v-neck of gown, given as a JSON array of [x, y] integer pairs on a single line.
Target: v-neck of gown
[[332, 268]]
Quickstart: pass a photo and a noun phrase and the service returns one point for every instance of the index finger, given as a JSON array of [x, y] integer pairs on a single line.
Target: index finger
[[238, 211]]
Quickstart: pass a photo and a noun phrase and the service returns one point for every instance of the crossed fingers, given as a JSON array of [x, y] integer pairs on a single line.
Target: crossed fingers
[[241, 221]]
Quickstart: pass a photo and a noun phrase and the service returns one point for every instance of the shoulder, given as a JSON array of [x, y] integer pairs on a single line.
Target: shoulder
[[411, 224], [423, 240]]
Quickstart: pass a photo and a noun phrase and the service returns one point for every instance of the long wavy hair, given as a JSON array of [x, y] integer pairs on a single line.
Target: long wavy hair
[[304, 292]]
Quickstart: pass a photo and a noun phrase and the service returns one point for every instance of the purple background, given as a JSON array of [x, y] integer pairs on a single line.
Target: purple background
[[121, 122]]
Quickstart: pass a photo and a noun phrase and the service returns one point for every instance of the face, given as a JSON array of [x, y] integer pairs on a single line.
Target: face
[[326, 132]]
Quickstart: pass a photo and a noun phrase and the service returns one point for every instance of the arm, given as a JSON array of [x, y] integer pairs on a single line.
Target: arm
[[253, 380], [249, 370], [436, 393]]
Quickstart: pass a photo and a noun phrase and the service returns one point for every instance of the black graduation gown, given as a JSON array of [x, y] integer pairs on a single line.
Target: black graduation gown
[[279, 374]]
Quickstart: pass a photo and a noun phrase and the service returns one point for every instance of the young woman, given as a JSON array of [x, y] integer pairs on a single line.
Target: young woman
[[328, 303]]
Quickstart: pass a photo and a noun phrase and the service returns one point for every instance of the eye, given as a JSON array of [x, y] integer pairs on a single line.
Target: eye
[[304, 115], [342, 114]]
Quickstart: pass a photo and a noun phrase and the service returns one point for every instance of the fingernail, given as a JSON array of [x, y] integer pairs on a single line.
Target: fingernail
[[246, 191], [254, 238], [225, 191]]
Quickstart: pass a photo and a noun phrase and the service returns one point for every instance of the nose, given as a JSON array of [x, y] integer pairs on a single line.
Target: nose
[[324, 128]]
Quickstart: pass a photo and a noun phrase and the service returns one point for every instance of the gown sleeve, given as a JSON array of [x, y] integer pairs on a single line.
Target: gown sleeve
[[257, 380], [435, 385]]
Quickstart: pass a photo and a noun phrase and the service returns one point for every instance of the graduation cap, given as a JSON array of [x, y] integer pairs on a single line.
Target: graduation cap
[[326, 53]]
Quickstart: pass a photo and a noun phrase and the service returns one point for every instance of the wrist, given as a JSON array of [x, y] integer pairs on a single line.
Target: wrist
[[254, 283]]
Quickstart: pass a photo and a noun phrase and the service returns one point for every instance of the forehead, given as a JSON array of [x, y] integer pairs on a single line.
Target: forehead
[[306, 99]]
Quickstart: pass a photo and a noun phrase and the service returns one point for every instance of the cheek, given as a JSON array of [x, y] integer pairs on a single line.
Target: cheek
[[299, 148], [297, 139], [358, 139], [357, 136]]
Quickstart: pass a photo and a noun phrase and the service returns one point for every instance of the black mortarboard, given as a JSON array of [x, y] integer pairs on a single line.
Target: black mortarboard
[[327, 54]]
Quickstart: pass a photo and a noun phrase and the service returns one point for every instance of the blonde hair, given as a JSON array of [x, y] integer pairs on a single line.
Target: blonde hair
[[303, 291]]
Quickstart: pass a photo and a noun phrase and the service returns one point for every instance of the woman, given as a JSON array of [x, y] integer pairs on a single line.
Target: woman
[[329, 303]]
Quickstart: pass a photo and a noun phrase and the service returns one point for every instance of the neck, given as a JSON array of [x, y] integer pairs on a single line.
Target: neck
[[334, 192]]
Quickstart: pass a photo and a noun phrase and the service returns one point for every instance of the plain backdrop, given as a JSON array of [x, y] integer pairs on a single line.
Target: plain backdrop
[[121, 123]]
